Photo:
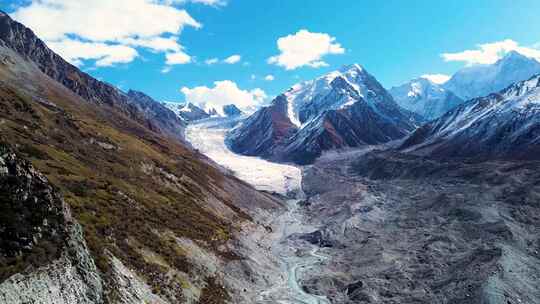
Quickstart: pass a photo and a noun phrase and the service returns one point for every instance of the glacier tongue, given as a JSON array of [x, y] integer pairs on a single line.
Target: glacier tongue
[[209, 138]]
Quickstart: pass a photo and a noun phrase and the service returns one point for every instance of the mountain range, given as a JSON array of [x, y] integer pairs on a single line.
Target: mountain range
[[433, 198], [102, 200], [432, 100], [189, 112], [505, 124], [345, 108]]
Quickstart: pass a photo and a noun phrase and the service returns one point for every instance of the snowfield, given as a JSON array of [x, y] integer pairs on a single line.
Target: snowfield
[[209, 138]]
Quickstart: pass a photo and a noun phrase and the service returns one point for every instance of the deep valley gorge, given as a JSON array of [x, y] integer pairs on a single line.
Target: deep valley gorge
[[335, 190]]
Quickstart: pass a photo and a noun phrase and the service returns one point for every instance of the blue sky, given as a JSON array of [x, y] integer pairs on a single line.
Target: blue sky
[[394, 40]]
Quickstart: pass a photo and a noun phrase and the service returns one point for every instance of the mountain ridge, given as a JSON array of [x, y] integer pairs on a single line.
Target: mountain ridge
[[330, 112]]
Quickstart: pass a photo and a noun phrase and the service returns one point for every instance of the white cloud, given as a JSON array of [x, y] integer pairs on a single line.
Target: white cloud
[[223, 93], [211, 61], [112, 25], [205, 2], [104, 54], [489, 53], [305, 49], [232, 59], [157, 44], [436, 78], [177, 58], [269, 77]]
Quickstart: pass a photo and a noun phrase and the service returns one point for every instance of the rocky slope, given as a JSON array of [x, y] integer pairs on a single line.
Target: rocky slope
[[345, 108], [43, 255], [426, 98], [26, 44], [163, 223], [481, 80], [404, 229], [158, 116], [504, 124]]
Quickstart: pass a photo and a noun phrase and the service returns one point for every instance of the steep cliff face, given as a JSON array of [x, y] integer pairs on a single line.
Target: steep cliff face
[[264, 132], [43, 255]]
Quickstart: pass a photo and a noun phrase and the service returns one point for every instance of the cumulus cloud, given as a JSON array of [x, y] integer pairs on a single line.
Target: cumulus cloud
[[177, 58], [114, 26], [436, 78], [305, 49], [489, 53], [223, 93], [105, 55], [232, 59], [269, 77]]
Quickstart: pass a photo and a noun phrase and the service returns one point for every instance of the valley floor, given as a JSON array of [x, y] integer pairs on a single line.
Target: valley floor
[[381, 227], [295, 256]]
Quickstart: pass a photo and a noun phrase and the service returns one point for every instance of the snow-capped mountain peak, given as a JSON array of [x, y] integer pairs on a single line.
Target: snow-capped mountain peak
[[481, 80], [336, 90], [425, 97], [500, 124]]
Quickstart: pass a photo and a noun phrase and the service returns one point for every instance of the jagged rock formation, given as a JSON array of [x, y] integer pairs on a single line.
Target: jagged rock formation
[[504, 124], [425, 98], [231, 110], [43, 255], [187, 112], [345, 108]]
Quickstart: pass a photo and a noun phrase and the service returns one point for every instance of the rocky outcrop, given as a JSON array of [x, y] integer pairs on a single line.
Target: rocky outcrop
[[231, 110], [44, 258]]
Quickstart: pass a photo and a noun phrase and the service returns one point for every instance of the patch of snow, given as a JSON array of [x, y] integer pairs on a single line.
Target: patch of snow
[[209, 139]]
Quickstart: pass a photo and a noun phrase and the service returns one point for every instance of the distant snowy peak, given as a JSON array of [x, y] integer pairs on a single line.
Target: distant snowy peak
[[187, 111], [481, 80], [335, 90], [425, 97], [505, 124]]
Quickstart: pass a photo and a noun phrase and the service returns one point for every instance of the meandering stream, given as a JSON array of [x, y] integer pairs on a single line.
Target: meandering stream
[[209, 138]]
